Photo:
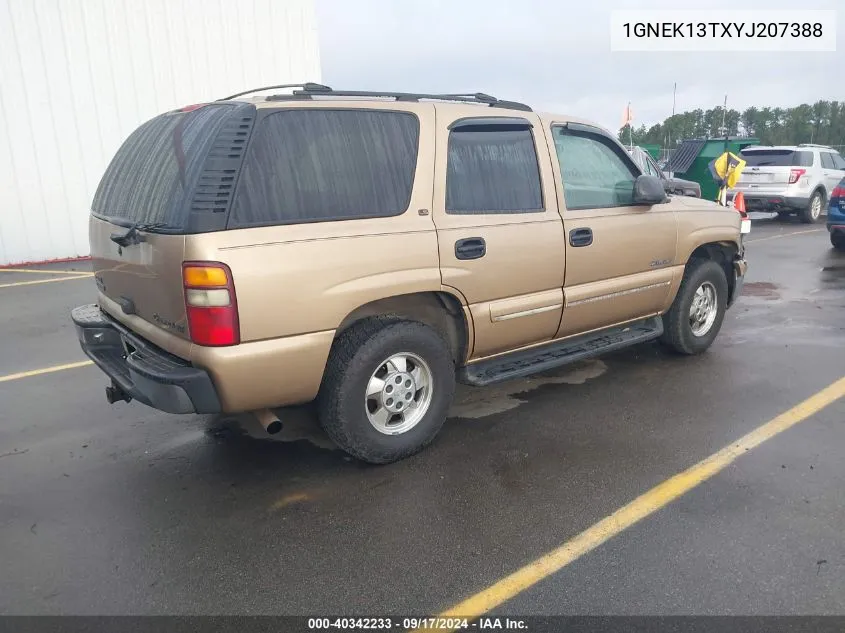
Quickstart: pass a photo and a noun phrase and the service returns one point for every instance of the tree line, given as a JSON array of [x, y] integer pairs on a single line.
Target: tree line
[[822, 122]]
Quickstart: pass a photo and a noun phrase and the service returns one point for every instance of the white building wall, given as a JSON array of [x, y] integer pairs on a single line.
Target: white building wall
[[77, 76]]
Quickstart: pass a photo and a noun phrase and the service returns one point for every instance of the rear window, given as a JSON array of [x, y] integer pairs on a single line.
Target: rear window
[[324, 164], [777, 158], [147, 179]]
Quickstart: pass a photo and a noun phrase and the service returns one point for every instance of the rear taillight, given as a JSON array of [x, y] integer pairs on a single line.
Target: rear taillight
[[795, 175], [838, 192], [210, 304]]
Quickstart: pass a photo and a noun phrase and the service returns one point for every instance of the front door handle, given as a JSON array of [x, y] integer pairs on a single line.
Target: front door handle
[[470, 248], [581, 237]]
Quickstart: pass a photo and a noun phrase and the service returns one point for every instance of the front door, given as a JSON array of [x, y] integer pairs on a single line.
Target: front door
[[620, 256], [499, 231]]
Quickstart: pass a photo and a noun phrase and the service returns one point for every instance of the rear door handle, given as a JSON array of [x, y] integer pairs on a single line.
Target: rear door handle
[[471, 248], [581, 237]]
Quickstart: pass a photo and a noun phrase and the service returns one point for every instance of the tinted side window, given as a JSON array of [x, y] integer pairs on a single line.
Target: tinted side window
[[827, 160], [595, 173], [492, 170], [321, 164], [802, 159]]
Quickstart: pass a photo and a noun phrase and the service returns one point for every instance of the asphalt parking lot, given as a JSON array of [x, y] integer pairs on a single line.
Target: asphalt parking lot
[[124, 510]]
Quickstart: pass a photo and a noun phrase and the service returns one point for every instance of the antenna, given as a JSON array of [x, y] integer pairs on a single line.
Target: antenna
[[668, 128]]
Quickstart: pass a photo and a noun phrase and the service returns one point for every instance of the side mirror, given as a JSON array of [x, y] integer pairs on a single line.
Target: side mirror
[[648, 190]]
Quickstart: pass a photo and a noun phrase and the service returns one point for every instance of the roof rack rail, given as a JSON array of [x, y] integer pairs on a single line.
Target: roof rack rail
[[814, 145], [308, 91], [309, 86]]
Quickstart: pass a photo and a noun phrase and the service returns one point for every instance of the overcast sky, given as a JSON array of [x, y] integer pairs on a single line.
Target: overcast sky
[[555, 55]]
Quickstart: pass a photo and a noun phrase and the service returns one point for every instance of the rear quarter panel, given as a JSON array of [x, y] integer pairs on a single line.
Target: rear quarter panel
[[295, 284]]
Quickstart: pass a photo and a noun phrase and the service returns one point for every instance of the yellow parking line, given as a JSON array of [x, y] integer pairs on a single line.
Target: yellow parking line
[[44, 281], [46, 370], [777, 237], [45, 271], [641, 507]]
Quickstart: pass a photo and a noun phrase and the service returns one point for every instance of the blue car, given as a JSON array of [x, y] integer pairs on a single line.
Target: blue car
[[836, 216]]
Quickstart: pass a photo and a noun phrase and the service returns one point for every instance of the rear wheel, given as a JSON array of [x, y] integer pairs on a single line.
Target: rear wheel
[[696, 316], [813, 210], [837, 239], [387, 389]]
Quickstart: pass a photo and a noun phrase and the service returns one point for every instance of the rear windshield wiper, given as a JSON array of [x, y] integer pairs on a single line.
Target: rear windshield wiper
[[132, 235]]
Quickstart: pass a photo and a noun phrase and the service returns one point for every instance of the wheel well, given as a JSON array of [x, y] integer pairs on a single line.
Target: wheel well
[[439, 310], [722, 253]]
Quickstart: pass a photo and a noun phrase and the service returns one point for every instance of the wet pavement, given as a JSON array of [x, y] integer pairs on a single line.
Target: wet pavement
[[124, 510]]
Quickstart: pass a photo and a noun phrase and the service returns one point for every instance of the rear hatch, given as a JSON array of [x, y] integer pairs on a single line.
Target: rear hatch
[[772, 168], [172, 177]]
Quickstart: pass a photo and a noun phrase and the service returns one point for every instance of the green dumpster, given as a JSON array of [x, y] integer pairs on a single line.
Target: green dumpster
[[692, 157], [652, 149]]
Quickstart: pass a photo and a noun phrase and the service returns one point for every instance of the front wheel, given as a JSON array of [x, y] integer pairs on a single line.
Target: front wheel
[[814, 208], [387, 389], [696, 316]]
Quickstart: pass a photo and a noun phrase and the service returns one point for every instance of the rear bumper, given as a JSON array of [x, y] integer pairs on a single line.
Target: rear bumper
[[772, 202], [836, 217], [139, 369]]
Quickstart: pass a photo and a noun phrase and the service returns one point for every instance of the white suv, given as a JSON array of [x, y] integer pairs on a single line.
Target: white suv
[[789, 179]]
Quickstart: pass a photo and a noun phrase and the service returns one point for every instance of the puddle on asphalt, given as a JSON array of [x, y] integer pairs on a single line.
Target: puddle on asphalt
[[479, 402], [470, 402], [762, 289]]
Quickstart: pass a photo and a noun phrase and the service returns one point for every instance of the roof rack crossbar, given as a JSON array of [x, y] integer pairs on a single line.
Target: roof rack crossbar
[[309, 86]]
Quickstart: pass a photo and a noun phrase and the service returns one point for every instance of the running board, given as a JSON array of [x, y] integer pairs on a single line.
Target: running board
[[558, 353]]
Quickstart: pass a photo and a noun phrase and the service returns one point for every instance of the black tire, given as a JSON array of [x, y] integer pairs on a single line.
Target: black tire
[[806, 214], [355, 355], [677, 331], [837, 240]]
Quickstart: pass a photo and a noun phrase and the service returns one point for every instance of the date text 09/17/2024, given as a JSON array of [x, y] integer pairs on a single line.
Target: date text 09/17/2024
[[412, 624]]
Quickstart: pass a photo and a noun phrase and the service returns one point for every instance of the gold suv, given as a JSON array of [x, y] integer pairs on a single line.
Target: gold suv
[[368, 249]]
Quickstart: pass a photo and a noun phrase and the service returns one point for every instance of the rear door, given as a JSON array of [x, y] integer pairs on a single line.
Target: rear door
[[159, 181], [832, 169], [500, 235]]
